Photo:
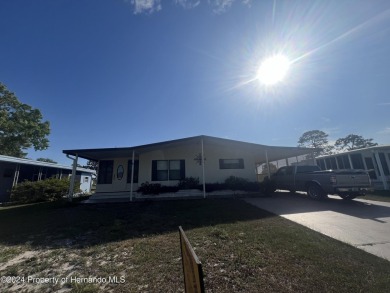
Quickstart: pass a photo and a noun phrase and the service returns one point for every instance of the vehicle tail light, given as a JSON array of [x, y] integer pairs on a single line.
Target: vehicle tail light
[[333, 179]]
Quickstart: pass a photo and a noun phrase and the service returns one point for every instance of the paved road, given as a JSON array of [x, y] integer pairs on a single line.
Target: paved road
[[363, 223]]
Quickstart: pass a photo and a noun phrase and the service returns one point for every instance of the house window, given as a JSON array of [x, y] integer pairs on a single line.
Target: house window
[[168, 170], [346, 163], [357, 161], [340, 162], [370, 167], [231, 163], [85, 179], [105, 172], [136, 170], [331, 163]]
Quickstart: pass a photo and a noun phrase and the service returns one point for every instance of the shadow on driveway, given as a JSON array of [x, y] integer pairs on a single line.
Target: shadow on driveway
[[285, 203]]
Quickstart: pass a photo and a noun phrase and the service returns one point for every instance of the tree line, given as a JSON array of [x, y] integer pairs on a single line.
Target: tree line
[[319, 139]]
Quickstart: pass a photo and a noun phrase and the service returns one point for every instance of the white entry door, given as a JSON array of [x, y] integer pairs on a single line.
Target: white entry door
[[120, 175]]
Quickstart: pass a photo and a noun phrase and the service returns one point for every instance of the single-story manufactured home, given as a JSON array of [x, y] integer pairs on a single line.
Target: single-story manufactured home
[[375, 160], [211, 159], [15, 170]]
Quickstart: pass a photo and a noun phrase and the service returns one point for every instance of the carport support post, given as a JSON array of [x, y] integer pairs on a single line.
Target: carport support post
[[204, 181], [73, 179], [266, 158], [132, 177], [40, 174], [16, 175]]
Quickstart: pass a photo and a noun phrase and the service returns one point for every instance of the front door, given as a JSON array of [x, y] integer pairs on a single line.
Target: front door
[[120, 176]]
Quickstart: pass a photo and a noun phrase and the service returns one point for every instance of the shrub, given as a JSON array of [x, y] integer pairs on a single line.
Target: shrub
[[236, 183], [156, 188], [210, 187], [44, 190], [189, 183], [149, 188], [253, 186]]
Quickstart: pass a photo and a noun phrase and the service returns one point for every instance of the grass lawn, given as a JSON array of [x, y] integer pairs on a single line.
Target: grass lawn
[[242, 249], [378, 195]]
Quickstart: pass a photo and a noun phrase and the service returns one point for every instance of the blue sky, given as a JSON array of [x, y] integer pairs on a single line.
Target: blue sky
[[123, 73]]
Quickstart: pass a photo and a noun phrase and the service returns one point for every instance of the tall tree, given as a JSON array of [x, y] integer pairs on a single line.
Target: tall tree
[[46, 160], [315, 139], [93, 165], [21, 126], [353, 142]]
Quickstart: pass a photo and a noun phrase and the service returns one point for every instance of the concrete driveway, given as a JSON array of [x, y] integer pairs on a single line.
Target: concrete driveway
[[364, 224]]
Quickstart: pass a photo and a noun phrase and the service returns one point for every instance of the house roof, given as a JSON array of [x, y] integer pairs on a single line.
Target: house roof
[[22, 161], [273, 152], [385, 147]]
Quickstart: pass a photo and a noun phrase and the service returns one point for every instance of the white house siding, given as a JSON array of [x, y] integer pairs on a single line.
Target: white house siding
[[215, 174], [192, 168], [212, 155], [118, 185], [187, 153]]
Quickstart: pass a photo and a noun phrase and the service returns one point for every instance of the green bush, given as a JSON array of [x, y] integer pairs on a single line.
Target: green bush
[[156, 188], [210, 187], [189, 183], [236, 183], [44, 190]]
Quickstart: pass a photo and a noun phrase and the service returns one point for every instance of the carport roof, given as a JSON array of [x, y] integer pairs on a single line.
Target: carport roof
[[273, 152]]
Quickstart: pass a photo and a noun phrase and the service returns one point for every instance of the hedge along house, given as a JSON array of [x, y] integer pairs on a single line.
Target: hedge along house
[[16, 170], [375, 160], [122, 170]]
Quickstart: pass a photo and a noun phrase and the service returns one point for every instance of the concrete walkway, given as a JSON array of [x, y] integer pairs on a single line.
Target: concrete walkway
[[362, 223]]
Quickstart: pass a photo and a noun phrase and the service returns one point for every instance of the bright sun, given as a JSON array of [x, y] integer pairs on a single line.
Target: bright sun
[[273, 70]]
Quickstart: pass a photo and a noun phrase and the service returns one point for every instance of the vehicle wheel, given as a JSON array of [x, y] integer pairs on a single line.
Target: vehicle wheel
[[347, 196], [315, 191]]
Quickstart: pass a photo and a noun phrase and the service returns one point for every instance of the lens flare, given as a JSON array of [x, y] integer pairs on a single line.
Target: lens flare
[[273, 70]]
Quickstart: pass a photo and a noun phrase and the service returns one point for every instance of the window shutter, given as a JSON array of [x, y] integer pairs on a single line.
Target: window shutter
[[154, 170], [182, 169], [136, 171]]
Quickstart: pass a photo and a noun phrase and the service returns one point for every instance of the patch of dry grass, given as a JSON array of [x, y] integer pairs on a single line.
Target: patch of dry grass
[[242, 248]]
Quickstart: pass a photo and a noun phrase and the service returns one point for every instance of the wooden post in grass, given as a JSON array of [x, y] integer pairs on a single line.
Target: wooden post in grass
[[192, 267]]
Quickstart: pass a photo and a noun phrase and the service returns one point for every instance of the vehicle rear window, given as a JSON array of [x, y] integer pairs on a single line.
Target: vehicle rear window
[[307, 169]]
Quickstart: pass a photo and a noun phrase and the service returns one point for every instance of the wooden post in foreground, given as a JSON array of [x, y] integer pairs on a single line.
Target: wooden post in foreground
[[192, 267]]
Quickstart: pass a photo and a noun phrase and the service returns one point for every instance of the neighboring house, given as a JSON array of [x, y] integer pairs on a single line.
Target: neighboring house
[[375, 160], [210, 159], [15, 170]]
